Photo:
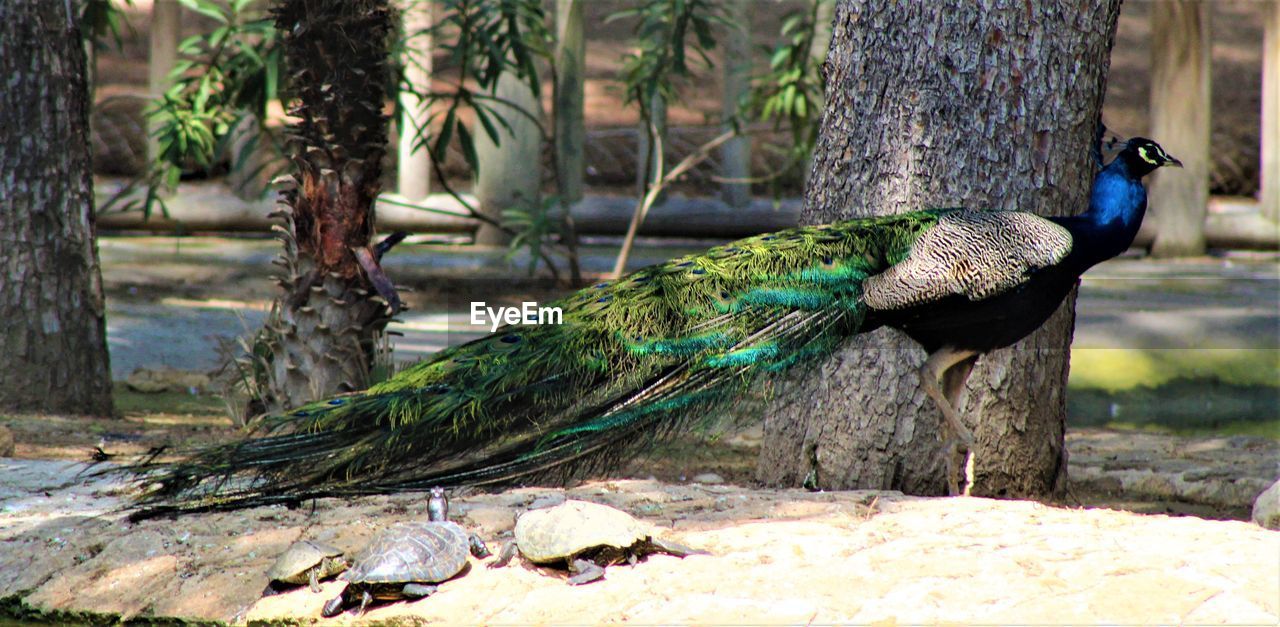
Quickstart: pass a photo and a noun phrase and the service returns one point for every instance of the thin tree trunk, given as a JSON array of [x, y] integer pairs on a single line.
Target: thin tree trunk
[[570, 115], [735, 155], [53, 346], [162, 57], [934, 105], [327, 326]]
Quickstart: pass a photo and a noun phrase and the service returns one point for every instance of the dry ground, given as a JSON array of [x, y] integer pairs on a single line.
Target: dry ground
[[775, 557]]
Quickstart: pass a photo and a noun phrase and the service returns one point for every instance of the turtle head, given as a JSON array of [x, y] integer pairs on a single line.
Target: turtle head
[[438, 506]]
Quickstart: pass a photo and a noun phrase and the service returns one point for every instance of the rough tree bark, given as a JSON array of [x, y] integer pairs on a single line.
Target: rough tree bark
[[53, 342], [327, 325], [988, 104]]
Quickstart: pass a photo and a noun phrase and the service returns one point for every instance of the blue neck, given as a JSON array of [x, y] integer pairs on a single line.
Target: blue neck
[[1116, 207]]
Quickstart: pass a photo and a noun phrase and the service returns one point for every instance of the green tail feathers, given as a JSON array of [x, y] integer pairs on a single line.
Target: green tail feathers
[[631, 361]]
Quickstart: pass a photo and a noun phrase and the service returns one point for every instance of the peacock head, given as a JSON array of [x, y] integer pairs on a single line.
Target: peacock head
[[1143, 156]]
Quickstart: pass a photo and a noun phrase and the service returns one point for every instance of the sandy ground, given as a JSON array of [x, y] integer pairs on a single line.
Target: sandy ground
[[775, 556]]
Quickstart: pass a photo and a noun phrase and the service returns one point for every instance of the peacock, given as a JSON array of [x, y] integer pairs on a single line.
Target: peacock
[[642, 356]]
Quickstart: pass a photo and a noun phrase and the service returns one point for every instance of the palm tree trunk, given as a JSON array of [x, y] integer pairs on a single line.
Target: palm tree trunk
[[325, 331]]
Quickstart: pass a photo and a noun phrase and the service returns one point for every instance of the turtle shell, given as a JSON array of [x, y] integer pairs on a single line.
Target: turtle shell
[[411, 552], [293, 565], [557, 533]]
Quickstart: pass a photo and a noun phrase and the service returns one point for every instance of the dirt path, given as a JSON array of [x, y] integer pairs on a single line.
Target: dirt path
[[776, 556]]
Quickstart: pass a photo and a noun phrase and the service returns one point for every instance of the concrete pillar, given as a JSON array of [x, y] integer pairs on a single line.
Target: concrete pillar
[[1270, 193], [510, 171], [1180, 87], [413, 167]]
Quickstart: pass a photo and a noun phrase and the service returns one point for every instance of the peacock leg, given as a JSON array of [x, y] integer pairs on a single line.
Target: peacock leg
[[942, 377]]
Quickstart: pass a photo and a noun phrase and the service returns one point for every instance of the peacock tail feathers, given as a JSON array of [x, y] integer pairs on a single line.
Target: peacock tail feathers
[[634, 359]]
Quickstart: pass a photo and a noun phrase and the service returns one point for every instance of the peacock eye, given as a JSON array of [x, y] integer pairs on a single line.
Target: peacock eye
[[510, 338], [699, 271], [604, 299], [336, 402], [601, 286], [685, 264]]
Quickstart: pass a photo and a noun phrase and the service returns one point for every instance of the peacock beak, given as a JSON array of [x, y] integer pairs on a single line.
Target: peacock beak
[[1172, 161]]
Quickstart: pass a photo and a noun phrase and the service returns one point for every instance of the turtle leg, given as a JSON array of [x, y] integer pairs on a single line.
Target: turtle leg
[[366, 598], [584, 571], [508, 552], [334, 606], [478, 548], [675, 548], [313, 580], [418, 590]]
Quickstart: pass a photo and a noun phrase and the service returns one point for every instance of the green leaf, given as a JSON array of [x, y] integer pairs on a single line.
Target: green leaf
[[446, 133], [489, 129], [468, 148], [206, 8]]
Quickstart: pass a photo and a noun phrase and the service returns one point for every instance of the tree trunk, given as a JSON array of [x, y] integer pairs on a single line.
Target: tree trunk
[[327, 326], [987, 104], [53, 347], [570, 113], [164, 33], [735, 154]]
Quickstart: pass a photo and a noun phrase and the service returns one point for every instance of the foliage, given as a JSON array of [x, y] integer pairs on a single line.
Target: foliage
[[535, 222], [482, 39], [790, 92], [228, 76], [101, 21], [225, 80], [666, 32], [663, 45]]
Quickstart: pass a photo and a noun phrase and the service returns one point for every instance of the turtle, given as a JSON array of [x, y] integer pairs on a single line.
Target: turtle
[[585, 537], [406, 560], [304, 562]]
